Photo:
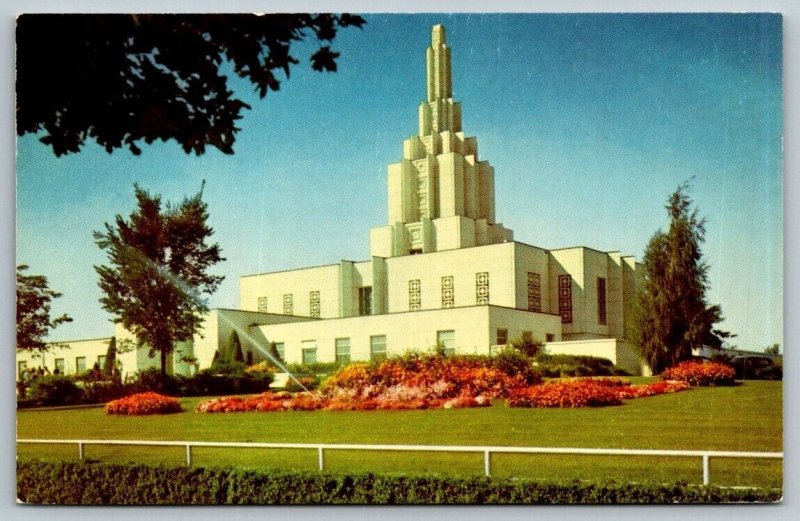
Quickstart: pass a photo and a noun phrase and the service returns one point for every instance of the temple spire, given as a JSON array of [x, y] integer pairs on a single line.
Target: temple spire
[[438, 55]]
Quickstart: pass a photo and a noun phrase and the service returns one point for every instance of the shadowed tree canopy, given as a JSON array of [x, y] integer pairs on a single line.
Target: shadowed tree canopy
[[158, 270], [33, 311], [674, 316], [124, 79]]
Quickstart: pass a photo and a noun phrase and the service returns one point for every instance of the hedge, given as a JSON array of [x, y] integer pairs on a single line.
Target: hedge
[[93, 483]]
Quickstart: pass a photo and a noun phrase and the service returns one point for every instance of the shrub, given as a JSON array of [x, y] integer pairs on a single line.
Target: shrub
[[559, 366], [84, 484], [575, 393], [700, 374], [151, 380], [54, 390], [144, 403]]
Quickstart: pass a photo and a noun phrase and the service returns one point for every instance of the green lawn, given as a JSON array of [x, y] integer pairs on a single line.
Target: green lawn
[[742, 418]]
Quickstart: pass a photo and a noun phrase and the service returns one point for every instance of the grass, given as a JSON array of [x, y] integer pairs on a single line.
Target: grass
[[747, 417]]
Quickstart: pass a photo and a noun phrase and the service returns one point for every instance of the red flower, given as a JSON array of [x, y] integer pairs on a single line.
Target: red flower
[[144, 403]]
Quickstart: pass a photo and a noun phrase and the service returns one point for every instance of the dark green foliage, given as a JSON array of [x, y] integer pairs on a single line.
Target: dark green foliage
[[555, 366], [83, 484], [54, 390], [674, 316], [111, 358], [123, 79], [33, 311], [157, 275], [527, 346]]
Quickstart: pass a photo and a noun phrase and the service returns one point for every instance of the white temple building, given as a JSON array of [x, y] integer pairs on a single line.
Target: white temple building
[[442, 271]]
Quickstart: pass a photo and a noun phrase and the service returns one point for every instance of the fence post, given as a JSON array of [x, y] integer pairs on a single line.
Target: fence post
[[188, 455], [321, 458], [487, 464], [80, 450], [706, 470]]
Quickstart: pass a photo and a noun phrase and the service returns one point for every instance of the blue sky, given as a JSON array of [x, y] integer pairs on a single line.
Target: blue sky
[[591, 122]]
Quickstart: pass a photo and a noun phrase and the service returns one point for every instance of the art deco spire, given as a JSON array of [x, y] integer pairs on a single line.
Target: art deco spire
[[440, 84]]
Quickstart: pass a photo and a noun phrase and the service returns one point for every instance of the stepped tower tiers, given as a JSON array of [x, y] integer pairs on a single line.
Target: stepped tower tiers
[[441, 197]]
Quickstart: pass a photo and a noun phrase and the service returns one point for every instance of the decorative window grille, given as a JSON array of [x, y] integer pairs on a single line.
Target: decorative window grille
[[414, 299], [288, 304], [534, 292], [448, 292], [565, 298], [601, 301], [482, 288], [313, 304], [262, 304]]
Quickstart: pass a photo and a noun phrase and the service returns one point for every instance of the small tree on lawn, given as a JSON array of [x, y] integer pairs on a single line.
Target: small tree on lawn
[[673, 313], [158, 270], [33, 311]]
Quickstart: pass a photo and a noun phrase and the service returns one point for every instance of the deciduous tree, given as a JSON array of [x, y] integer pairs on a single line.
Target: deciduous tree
[[157, 275], [33, 311], [125, 79], [674, 316]]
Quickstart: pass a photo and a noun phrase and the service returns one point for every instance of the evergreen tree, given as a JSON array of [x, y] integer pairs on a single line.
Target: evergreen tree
[[674, 316], [158, 270], [235, 348], [33, 311], [111, 357]]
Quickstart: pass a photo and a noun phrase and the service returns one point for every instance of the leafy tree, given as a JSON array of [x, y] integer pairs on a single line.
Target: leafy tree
[[158, 270], [674, 316], [33, 311], [774, 349], [126, 78]]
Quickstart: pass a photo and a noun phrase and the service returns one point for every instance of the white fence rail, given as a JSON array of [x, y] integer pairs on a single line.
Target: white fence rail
[[487, 451]]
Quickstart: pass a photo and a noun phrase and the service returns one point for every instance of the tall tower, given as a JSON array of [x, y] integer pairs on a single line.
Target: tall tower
[[441, 197]]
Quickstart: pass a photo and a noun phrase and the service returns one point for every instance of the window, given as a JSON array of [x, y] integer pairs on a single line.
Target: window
[[448, 292], [414, 299], [309, 350], [365, 301], [279, 348], [482, 288], [80, 364], [313, 304], [60, 365], [601, 301], [377, 347], [343, 351], [549, 337], [446, 341], [534, 292], [101, 361], [288, 304], [565, 298], [502, 337], [262, 304]]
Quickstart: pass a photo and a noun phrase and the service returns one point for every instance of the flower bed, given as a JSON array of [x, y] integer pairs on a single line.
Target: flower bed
[[144, 403], [701, 373], [588, 392]]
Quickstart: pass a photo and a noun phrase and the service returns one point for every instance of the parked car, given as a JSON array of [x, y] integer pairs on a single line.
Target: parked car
[[754, 367]]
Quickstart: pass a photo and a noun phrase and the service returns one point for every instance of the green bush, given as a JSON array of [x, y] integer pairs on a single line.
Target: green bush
[[556, 366], [208, 384], [83, 484], [54, 390]]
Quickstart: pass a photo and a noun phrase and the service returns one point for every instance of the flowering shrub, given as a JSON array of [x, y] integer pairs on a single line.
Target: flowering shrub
[[144, 403], [571, 393], [588, 392], [264, 402], [701, 374], [416, 377]]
